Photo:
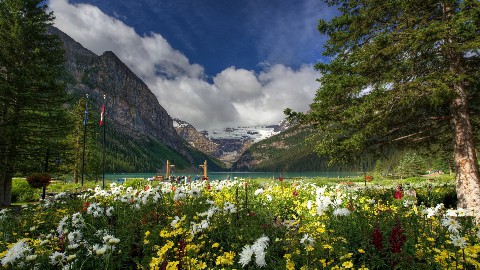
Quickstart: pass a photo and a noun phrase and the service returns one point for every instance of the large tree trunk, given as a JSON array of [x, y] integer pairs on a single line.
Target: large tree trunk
[[466, 164]]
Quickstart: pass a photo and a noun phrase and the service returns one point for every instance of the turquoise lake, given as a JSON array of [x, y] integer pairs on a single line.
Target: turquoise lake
[[246, 175]]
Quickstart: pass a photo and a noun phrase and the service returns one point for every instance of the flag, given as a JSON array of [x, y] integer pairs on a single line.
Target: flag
[[102, 114]]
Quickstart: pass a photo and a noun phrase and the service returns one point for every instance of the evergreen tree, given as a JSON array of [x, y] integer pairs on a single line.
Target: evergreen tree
[[33, 121], [404, 73]]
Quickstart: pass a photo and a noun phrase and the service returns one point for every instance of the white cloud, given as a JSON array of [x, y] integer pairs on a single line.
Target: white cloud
[[237, 97]]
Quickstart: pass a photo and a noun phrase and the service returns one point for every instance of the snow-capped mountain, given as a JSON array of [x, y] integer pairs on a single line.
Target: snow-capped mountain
[[256, 133], [229, 143]]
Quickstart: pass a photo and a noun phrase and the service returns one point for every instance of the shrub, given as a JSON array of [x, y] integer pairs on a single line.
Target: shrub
[[39, 180], [23, 192]]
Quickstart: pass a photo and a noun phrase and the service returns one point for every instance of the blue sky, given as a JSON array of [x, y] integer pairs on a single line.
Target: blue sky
[[230, 63]]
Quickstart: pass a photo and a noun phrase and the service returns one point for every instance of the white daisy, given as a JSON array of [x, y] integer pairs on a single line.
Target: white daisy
[[458, 241], [246, 255], [258, 191], [57, 258]]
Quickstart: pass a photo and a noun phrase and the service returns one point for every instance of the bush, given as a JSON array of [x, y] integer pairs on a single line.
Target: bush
[[39, 180], [23, 192]]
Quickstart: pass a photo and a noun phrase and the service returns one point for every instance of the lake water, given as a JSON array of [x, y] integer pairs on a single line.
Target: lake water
[[246, 175]]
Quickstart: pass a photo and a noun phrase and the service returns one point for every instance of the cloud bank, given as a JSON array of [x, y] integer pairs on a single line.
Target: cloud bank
[[234, 97]]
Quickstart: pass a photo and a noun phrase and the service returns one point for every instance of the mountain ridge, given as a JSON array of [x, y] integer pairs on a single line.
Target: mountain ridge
[[132, 110]]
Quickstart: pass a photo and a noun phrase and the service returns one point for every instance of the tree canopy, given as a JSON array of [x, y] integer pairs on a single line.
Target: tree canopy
[[33, 119], [402, 72]]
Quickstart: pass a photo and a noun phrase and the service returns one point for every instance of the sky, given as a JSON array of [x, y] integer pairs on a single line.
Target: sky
[[212, 63]]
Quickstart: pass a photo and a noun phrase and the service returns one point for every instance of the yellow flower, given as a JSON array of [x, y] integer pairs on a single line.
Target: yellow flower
[[363, 268], [172, 265], [147, 233], [215, 245], [226, 258], [347, 264], [361, 251]]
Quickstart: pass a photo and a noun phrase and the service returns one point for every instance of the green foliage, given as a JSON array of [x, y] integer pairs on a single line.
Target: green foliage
[[32, 117], [291, 150], [23, 192], [136, 183], [392, 74]]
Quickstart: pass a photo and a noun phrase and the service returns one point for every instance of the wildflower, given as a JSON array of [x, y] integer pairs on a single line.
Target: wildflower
[[377, 238], [246, 255], [307, 240], [110, 240], [77, 220], [229, 208], [174, 222], [99, 250], [71, 257], [309, 204], [225, 259], [215, 245], [17, 251], [458, 241], [429, 212], [341, 212], [62, 224], [347, 264], [452, 224], [195, 192], [74, 236], [108, 211], [57, 258], [260, 258], [397, 238], [179, 194], [258, 248], [258, 191], [31, 258], [73, 246]]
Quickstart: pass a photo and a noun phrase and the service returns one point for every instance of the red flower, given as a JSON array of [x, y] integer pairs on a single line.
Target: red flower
[[397, 238], [85, 206], [295, 193], [377, 238]]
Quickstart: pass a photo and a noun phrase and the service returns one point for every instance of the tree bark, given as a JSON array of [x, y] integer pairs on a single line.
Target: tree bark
[[466, 163]]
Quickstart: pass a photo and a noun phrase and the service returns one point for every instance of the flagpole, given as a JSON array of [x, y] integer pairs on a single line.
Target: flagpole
[[104, 138], [85, 121]]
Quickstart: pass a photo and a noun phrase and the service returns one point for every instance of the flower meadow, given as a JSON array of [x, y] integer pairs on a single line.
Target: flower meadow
[[236, 225]]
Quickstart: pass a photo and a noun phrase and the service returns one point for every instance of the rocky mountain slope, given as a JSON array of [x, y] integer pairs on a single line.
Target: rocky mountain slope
[[290, 150], [226, 144], [132, 109]]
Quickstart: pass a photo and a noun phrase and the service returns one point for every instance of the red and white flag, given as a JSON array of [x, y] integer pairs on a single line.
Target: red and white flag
[[102, 114]]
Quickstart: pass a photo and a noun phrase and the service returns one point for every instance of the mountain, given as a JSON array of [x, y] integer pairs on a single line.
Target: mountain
[[196, 139], [141, 132], [289, 150], [226, 144]]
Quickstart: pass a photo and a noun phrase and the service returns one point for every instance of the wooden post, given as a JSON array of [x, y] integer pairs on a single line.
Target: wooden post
[[204, 166], [168, 171]]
